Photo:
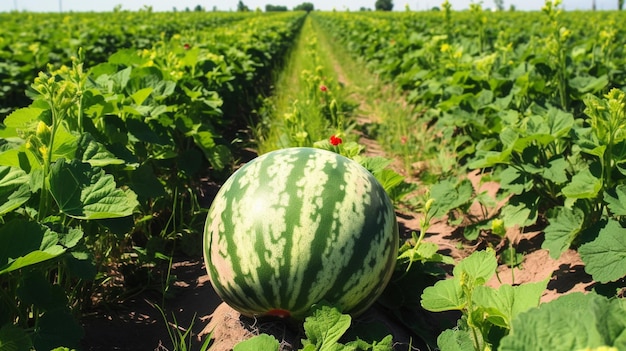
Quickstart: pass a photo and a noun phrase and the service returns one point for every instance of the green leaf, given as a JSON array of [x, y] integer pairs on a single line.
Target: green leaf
[[218, 155], [589, 84], [389, 179], [21, 119], [448, 195], [514, 181], [25, 243], [508, 301], [94, 153], [605, 257], [559, 122], [521, 210], [86, 192], [14, 188], [13, 338], [584, 185], [374, 164], [445, 295], [57, 328], [35, 289], [260, 342], [477, 268], [556, 171], [616, 200], [455, 340], [71, 238], [574, 321], [127, 57], [141, 95], [65, 144], [325, 327], [562, 230]]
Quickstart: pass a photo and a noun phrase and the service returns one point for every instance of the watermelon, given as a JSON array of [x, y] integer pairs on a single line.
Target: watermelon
[[298, 226]]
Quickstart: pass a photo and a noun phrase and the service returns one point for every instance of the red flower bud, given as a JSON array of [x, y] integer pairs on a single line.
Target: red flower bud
[[334, 141], [186, 46], [323, 88]]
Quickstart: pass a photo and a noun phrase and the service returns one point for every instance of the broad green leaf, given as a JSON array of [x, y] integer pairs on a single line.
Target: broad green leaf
[[141, 95], [57, 328], [556, 171], [386, 344], [32, 258], [25, 243], [71, 238], [257, 343], [477, 268], [506, 302], [521, 210], [122, 77], [127, 57], [559, 122], [374, 164], [589, 84], [584, 185], [325, 327], [389, 179], [86, 192], [455, 340], [35, 289], [445, 295], [145, 183], [513, 181], [574, 321], [14, 188], [65, 144], [219, 156], [13, 338], [21, 119], [605, 257], [616, 200], [449, 194], [94, 153], [562, 230]]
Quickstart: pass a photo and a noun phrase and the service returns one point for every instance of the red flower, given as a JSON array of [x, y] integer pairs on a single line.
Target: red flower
[[323, 88], [186, 46], [334, 141], [403, 139]]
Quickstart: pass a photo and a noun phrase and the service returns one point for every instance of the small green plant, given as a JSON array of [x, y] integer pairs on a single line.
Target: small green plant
[[181, 338], [487, 313], [323, 329], [417, 250]]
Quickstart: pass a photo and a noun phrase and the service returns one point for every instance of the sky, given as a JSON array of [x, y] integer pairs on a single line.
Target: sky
[[226, 5]]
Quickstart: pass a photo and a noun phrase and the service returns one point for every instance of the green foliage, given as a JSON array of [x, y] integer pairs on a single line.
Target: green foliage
[[323, 329], [572, 322], [488, 313], [105, 162]]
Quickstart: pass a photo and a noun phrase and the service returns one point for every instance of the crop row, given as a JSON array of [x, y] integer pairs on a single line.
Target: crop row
[[102, 169], [32, 41], [540, 110]]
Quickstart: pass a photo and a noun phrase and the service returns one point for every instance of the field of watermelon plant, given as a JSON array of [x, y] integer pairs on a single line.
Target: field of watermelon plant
[[494, 145]]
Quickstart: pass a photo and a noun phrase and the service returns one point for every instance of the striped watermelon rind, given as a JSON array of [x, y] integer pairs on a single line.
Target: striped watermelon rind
[[297, 226]]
